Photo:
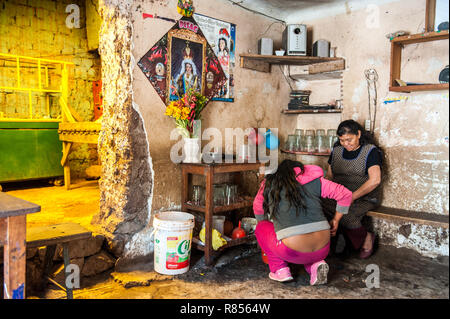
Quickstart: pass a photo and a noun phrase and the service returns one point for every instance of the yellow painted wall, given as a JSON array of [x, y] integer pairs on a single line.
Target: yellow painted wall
[[39, 28]]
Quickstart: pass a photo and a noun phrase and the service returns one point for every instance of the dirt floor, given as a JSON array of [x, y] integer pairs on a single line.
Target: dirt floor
[[238, 273]]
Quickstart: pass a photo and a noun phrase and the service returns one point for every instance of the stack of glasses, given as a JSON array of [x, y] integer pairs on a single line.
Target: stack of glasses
[[311, 141], [223, 194]]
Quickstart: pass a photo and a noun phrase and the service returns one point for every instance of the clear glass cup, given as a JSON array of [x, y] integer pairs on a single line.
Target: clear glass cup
[[299, 132], [320, 132], [321, 143], [290, 143], [331, 139], [230, 194], [235, 193], [197, 195], [218, 194], [310, 133], [298, 143], [331, 132], [309, 144]]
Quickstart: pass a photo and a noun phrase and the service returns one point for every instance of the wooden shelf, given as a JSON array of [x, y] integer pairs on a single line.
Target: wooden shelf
[[209, 171], [421, 37], [333, 75], [231, 243], [317, 65], [221, 209], [396, 59], [423, 87], [306, 153], [311, 111]]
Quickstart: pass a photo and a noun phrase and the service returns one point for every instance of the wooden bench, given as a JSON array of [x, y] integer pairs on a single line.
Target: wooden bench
[[52, 235], [13, 223], [401, 215]]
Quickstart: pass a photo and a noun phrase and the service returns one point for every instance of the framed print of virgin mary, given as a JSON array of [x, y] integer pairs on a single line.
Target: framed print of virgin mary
[[183, 59]]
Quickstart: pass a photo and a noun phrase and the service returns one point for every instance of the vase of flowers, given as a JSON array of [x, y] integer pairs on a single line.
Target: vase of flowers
[[186, 111]]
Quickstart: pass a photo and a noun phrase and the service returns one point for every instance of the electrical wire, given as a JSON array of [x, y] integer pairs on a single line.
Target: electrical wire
[[287, 80], [261, 35], [254, 11]]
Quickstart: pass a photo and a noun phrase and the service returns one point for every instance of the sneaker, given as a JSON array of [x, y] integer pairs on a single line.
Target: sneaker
[[283, 274], [319, 273]]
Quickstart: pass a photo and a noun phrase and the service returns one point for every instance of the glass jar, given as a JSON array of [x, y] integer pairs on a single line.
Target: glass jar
[[309, 145], [290, 143], [331, 132], [299, 132], [230, 194], [320, 132], [321, 144], [218, 194], [331, 139], [310, 132], [198, 195], [298, 143]]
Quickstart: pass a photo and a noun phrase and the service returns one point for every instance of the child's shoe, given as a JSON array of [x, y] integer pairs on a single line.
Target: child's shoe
[[319, 273], [283, 274]]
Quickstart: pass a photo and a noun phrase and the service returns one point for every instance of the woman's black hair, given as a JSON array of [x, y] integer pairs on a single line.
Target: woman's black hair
[[352, 127], [283, 179]]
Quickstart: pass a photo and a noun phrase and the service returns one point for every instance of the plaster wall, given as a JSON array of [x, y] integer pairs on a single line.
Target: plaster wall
[[412, 131], [258, 95]]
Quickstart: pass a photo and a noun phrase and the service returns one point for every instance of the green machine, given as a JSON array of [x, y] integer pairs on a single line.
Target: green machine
[[29, 150]]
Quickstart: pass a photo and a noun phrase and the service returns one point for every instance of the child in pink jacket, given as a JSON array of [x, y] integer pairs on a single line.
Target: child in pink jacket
[[291, 225]]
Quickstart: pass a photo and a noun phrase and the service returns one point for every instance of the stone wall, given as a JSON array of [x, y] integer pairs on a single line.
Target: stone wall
[[126, 170]]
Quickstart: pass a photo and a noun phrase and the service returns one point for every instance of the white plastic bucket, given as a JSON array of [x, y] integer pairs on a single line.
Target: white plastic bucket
[[173, 241]]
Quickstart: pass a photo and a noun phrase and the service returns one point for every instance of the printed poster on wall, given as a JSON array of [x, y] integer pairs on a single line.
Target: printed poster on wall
[[221, 36], [183, 59]]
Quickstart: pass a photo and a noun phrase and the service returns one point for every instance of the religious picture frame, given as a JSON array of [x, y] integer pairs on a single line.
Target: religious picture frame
[[183, 58], [186, 63], [221, 36]]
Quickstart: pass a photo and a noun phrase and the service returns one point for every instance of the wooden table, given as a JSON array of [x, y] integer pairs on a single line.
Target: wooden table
[[13, 223], [209, 170]]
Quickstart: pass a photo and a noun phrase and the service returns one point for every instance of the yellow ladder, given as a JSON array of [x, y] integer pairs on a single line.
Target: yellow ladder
[[43, 66]]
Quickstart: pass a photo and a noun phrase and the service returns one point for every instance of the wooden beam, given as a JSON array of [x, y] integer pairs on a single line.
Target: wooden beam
[[2, 231], [256, 65], [421, 37], [326, 67], [396, 60], [79, 138], [430, 15], [66, 151]]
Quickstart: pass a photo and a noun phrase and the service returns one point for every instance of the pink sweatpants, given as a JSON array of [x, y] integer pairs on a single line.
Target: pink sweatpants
[[279, 255]]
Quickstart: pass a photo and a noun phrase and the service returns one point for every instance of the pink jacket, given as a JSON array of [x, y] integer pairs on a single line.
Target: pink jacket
[[329, 189]]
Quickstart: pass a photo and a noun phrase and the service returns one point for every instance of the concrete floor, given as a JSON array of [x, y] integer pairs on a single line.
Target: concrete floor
[[239, 272]]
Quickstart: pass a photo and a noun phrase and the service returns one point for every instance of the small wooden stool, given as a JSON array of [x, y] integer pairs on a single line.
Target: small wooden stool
[[52, 235]]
